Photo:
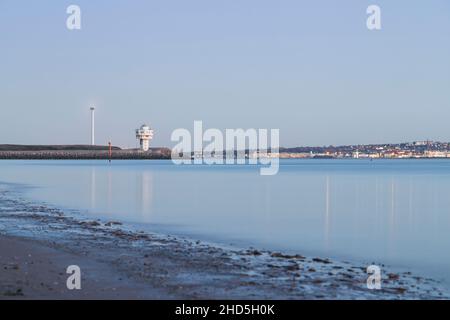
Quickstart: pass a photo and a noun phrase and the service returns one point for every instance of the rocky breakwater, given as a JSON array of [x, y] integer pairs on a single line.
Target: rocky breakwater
[[78, 152]]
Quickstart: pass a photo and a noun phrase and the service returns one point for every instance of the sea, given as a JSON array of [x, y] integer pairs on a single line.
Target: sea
[[385, 211]]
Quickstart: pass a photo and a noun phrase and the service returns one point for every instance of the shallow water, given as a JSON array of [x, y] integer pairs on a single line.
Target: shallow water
[[387, 211]]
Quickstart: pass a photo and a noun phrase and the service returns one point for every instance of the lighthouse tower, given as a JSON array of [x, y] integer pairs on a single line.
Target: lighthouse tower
[[144, 134]]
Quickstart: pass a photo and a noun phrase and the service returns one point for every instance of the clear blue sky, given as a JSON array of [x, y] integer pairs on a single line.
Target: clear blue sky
[[310, 68]]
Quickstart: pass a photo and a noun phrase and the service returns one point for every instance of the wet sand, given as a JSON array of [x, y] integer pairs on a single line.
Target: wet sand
[[30, 270], [38, 243]]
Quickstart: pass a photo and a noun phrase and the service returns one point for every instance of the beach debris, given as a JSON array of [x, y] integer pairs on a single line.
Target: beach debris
[[17, 292], [11, 266], [400, 290]]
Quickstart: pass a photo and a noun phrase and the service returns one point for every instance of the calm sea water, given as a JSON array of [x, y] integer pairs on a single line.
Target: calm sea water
[[389, 211]]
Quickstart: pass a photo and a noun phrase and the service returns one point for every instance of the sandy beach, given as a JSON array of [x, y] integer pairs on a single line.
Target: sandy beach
[[38, 242], [31, 270]]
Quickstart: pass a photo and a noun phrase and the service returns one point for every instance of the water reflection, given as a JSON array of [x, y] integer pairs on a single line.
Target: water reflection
[[92, 175], [109, 196], [391, 223], [381, 211], [327, 212], [110, 190], [146, 195]]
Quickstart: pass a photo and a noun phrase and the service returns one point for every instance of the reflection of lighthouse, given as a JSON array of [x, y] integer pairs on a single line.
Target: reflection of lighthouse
[[144, 134], [146, 191]]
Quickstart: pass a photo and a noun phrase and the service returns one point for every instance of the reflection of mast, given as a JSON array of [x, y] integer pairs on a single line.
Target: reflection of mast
[[92, 188]]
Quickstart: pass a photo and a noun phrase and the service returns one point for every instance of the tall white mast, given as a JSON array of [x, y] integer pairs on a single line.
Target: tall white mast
[[92, 125]]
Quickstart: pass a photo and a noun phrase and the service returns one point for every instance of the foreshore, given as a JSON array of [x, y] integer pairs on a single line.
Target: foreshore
[[34, 270], [38, 242]]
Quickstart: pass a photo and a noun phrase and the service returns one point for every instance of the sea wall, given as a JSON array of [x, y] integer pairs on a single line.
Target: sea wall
[[154, 153]]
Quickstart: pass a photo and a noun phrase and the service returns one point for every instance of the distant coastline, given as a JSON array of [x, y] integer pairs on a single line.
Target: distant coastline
[[408, 150]]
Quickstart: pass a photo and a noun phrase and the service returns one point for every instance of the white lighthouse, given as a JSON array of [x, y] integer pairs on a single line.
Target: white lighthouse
[[144, 134]]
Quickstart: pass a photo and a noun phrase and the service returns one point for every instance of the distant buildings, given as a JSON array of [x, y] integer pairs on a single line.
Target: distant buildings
[[418, 149]]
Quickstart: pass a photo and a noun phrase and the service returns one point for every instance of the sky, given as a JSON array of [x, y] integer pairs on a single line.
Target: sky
[[309, 68]]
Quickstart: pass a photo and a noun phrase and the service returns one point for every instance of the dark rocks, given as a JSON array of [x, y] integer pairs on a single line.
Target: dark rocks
[[113, 223], [254, 252], [90, 223], [293, 267], [286, 256], [393, 276], [326, 261]]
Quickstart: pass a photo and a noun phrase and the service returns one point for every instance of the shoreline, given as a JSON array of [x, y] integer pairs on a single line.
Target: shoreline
[[38, 242]]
